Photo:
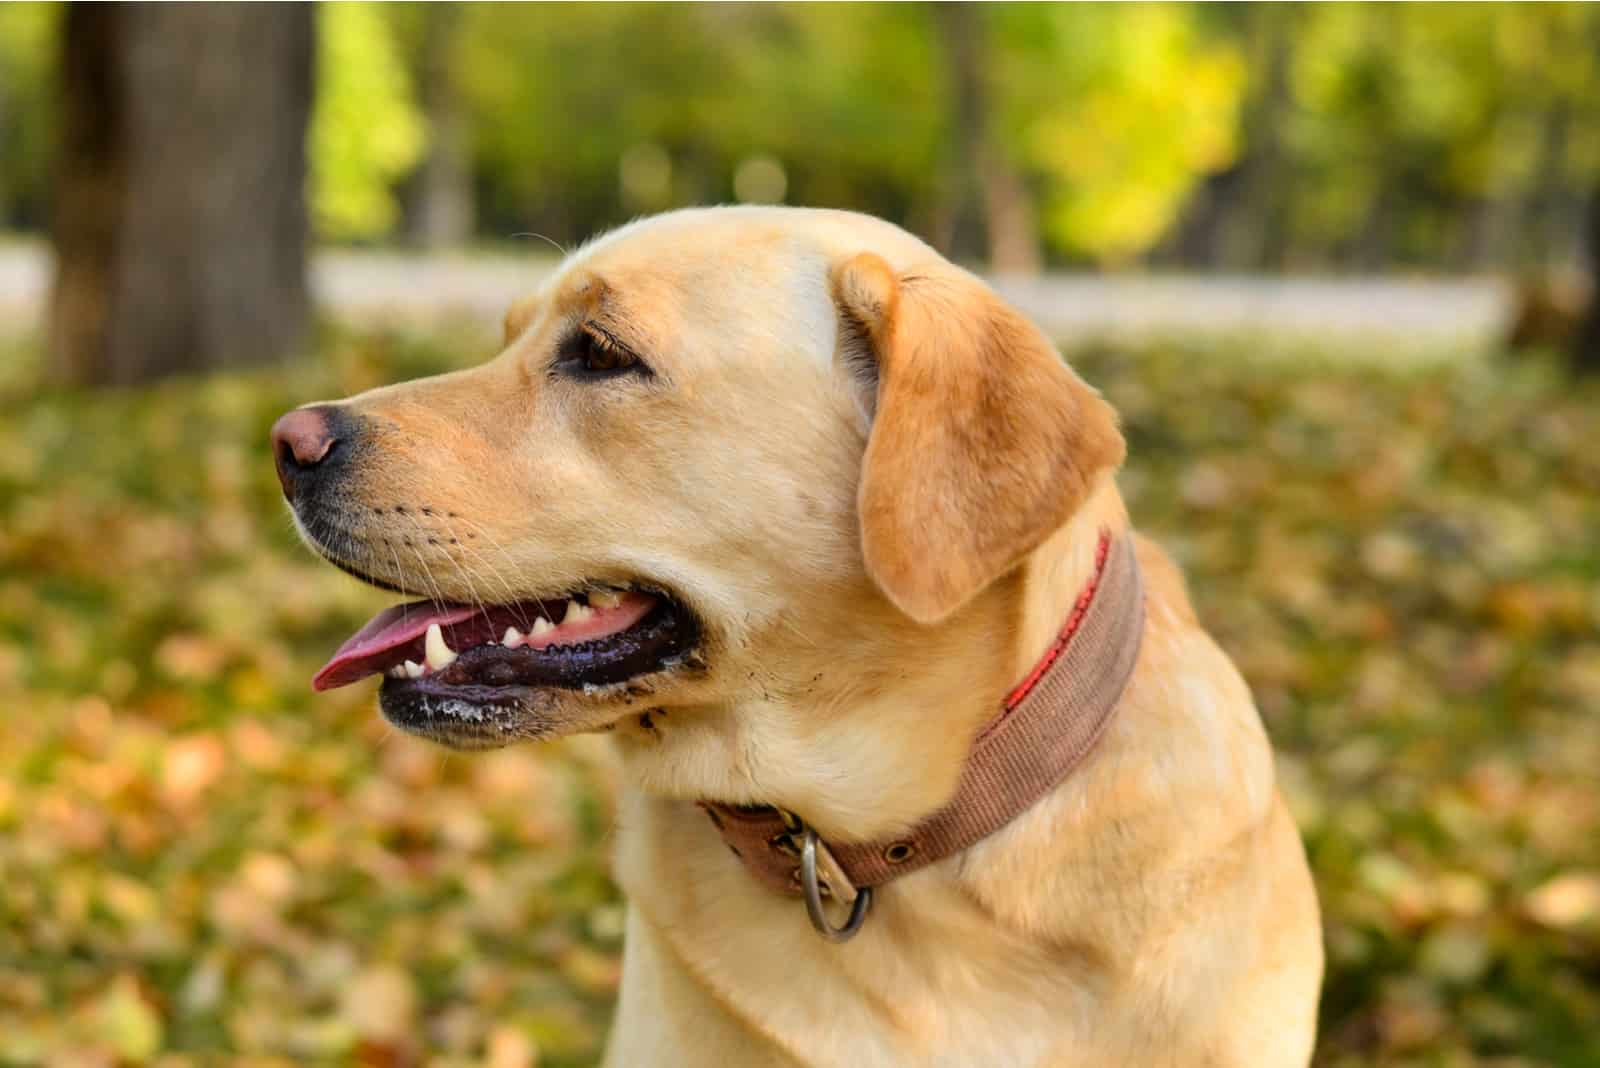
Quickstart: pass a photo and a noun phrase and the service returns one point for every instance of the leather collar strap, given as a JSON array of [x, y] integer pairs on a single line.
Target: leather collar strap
[[1044, 729]]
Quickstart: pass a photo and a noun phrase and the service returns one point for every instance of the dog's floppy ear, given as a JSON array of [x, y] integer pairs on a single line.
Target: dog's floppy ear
[[982, 443]]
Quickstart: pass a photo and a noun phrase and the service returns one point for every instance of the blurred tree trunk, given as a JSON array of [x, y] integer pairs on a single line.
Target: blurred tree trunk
[[6, 92], [1013, 223], [1258, 238], [1375, 241], [1586, 346], [180, 216], [1488, 229], [1549, 211], [440, 209], [1239, 218], [986, 202]]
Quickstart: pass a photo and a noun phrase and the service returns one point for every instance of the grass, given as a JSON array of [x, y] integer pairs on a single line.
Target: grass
[[201, 862]]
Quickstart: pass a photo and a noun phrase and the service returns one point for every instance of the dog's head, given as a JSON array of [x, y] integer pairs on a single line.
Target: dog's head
[[731, 465]]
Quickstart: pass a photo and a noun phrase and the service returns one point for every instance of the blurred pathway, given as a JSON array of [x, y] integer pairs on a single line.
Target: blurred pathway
[[1438, 315]]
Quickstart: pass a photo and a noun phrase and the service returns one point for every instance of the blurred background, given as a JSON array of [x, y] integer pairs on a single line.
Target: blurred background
[[1332, 263]]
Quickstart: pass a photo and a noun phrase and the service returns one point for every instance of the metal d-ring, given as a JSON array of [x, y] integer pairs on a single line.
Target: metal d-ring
[[813, 895]]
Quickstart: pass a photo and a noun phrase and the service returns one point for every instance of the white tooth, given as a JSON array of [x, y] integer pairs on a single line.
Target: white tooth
[[541, 626], [397, 672], [438, 653], [512, 639], [412, 669], [576, 613], [605, 598]]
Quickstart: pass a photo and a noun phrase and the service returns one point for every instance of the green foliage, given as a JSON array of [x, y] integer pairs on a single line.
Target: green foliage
[[1116, 116], [27, 108], [1433, 109], [1403, 126], [1120, 113], [366, 133], [200, 856], [597, 127], [1445, 134]]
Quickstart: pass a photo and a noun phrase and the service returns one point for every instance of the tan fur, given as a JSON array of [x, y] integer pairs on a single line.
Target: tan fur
[[518, 316], [873, 572]]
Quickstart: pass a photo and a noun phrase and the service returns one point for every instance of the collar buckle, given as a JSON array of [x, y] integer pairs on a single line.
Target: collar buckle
[[811, 888]]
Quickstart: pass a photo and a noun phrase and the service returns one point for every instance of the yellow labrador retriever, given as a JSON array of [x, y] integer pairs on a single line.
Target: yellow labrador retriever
[[927, 760]]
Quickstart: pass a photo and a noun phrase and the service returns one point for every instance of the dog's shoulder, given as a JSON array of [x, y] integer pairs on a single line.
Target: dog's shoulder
[[1163, 580]]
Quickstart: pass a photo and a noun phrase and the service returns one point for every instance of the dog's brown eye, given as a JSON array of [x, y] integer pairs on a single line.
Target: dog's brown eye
[[590, 353], [602, 355]]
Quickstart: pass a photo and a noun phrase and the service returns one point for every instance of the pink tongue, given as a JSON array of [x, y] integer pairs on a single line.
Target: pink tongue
[[371, 649]]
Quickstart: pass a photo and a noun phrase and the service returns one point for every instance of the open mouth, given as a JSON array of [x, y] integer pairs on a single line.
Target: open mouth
[[476, 663]]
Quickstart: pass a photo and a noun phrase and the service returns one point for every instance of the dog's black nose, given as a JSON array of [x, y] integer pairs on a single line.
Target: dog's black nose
[[302, 441]]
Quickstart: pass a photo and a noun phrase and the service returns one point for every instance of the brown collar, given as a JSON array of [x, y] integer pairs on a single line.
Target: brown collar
[[1044, 729]]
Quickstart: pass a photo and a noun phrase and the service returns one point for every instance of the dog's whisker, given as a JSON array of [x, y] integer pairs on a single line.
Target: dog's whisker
[[467, 575], [424, 534], [427, 571], [489, 571], [399, 572], [794, 629], [552, 242], [495, 543]]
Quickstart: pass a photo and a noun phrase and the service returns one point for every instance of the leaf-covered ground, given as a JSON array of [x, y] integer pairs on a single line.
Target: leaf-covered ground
[[201, 862]]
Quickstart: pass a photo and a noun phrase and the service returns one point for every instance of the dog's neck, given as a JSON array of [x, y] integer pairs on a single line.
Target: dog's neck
[[1053, 576], [862, 754]]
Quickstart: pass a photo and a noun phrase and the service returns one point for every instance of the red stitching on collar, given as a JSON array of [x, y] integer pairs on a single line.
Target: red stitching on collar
[[1068, 629]]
